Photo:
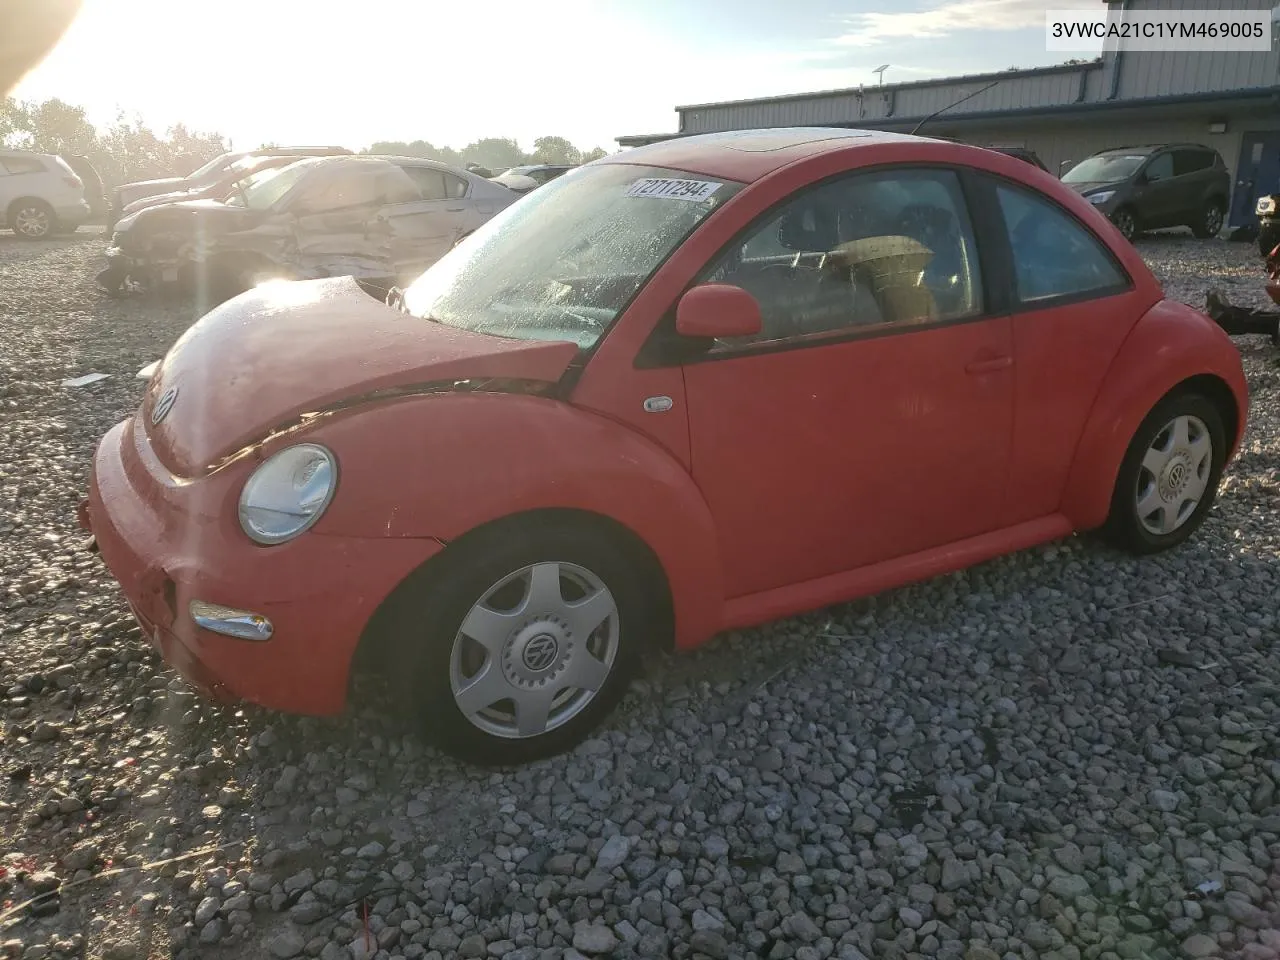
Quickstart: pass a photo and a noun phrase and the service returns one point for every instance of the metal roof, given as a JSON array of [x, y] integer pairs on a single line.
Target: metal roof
[[1226, 97], [908, 85]]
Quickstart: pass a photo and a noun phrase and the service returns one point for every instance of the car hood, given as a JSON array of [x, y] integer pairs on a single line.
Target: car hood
[[183, 214], [156, 200], [1091, 186], [270, 357], [146, 188]]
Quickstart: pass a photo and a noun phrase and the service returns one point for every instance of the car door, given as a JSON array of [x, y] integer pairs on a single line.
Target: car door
[[1073, 306], [1158, 202], [427, 228], [337, 225], [872, 417], [1257, 175]]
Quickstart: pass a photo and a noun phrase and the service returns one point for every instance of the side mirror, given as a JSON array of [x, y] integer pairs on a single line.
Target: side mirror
[[716, 310]]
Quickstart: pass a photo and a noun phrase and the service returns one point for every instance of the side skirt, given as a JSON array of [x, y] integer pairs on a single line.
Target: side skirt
[[798, 598]]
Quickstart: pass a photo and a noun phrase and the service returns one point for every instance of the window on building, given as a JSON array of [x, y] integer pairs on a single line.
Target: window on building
[[871, 250], [1054, 256]]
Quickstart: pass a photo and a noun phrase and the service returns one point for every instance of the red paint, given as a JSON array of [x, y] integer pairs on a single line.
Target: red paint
[[774, 483], [718, 310]]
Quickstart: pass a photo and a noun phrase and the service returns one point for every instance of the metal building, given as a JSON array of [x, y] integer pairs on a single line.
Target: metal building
[[1226, 100]]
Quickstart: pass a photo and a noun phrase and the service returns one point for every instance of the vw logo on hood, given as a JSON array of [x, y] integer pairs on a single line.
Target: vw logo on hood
[[163, 405]]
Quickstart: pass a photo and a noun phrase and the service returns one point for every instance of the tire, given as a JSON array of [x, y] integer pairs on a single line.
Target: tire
[[32, 219], [433, 658], [1175, 467], [1268, 239], [1126, 222], [1211, 220]]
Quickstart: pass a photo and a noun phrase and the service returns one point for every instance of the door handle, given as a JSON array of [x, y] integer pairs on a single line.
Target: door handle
[[454, 209], [990, 365]]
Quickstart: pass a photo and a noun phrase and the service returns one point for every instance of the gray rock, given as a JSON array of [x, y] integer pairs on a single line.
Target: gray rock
[[1199, 945], [1163, 800], [613, 854], [206, 910], [285, 944], [710, 942], [594, 939]]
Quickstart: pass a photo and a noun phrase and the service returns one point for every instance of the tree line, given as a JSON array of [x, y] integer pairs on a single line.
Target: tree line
[[129, 149]]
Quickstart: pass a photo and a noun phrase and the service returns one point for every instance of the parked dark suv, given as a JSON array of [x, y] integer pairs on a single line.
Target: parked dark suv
[[1151, 187]]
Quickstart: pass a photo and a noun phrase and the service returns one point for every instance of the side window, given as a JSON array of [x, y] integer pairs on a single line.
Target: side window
[[1190, 161], [870, 250], [1053, 255], [1161, 168], [455, 187], [430, 182], [17, 165], [346, 191]]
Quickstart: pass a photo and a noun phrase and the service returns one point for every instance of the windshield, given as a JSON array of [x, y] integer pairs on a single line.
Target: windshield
[[213, 166], [265, 188], [561, 263], [1105, 169]]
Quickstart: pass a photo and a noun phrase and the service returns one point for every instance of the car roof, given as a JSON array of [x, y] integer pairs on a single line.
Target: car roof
[[748, 155]]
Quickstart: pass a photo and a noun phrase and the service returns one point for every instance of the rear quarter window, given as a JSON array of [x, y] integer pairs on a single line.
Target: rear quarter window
[[17, 165]]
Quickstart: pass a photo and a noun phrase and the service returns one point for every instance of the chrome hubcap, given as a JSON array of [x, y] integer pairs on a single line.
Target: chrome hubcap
[[1214, 220], [31, 222], [1174, 475], [535, 650]]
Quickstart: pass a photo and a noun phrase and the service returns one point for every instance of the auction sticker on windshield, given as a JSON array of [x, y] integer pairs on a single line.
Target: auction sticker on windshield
[[694, 190]]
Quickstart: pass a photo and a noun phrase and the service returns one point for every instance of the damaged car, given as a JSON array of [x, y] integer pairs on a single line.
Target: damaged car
[[205, 176], [698, 386], [224, 186], [381, 219]]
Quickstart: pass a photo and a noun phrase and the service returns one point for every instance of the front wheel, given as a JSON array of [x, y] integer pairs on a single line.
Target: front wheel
[[1126, 223], [1169, 477], [522, 646]]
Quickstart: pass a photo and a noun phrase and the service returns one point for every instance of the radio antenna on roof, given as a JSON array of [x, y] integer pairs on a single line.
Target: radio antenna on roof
[[950, 105]]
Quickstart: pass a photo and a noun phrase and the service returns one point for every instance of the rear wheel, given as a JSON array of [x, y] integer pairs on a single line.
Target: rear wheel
[[523, 644], [1211, 218], [1169, 477], [32, 219]]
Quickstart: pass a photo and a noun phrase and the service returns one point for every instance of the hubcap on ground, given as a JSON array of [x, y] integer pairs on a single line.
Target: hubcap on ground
[[1174, 475], [535, 650], [31, 222]]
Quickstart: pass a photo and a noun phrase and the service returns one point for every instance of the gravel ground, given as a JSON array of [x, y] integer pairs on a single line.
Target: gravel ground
[[1042, 757]]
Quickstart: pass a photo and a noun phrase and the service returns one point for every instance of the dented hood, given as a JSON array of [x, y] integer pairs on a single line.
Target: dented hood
[[270, 356]]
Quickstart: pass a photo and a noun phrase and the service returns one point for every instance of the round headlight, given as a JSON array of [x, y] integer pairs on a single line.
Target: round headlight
[[288, 493]]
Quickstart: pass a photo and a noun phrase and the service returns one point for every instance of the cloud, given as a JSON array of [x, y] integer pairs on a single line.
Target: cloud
[[942, 20]]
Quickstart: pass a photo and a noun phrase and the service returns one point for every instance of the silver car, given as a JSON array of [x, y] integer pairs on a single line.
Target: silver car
[[382, 219]]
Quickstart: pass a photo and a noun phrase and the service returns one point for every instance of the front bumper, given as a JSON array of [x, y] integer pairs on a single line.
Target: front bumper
[[168, 542]]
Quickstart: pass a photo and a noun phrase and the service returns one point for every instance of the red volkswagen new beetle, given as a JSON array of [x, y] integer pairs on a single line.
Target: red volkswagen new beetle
[[690, 387]]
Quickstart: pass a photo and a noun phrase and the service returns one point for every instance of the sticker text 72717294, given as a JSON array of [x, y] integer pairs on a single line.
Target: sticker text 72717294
[[670, 189]]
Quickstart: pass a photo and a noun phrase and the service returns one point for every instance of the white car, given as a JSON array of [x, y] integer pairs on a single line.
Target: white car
[[39, 194]]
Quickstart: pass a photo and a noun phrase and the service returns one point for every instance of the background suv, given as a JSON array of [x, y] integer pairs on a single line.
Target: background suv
[[1151, 187], [39, 194]]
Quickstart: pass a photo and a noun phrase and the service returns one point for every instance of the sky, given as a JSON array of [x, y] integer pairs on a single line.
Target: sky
[[334, 72]]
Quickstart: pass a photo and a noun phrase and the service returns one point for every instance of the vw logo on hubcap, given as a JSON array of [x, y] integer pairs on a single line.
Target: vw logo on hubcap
[[164, 405], [541, 651]]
